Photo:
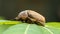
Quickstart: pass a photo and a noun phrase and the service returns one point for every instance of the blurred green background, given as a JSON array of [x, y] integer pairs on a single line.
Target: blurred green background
[[9, 9]]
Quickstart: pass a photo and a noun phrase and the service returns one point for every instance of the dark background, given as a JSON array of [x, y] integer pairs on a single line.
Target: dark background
[[48, 8]]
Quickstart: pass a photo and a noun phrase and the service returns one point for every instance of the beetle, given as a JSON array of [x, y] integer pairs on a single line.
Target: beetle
[[32, 16]]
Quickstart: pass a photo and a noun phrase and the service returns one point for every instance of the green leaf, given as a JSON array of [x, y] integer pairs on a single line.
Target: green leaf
[[5, 24], [9, 22], [3, 28], [14, 27], [53, 24], [30, 29], [54, 30]]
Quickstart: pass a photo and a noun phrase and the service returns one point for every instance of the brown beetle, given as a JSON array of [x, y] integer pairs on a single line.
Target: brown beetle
[[32, 16]]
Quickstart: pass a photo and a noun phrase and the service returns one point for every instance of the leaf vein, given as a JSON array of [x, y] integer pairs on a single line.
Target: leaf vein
[[27, 29]]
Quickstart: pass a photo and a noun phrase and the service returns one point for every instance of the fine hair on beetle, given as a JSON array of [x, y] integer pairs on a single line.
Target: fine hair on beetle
[[31, 16]]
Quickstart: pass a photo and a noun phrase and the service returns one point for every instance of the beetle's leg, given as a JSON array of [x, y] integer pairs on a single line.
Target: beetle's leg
[[31, 19]]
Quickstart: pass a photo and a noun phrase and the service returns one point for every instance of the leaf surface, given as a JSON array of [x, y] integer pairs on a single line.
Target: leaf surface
[[30, 29]]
